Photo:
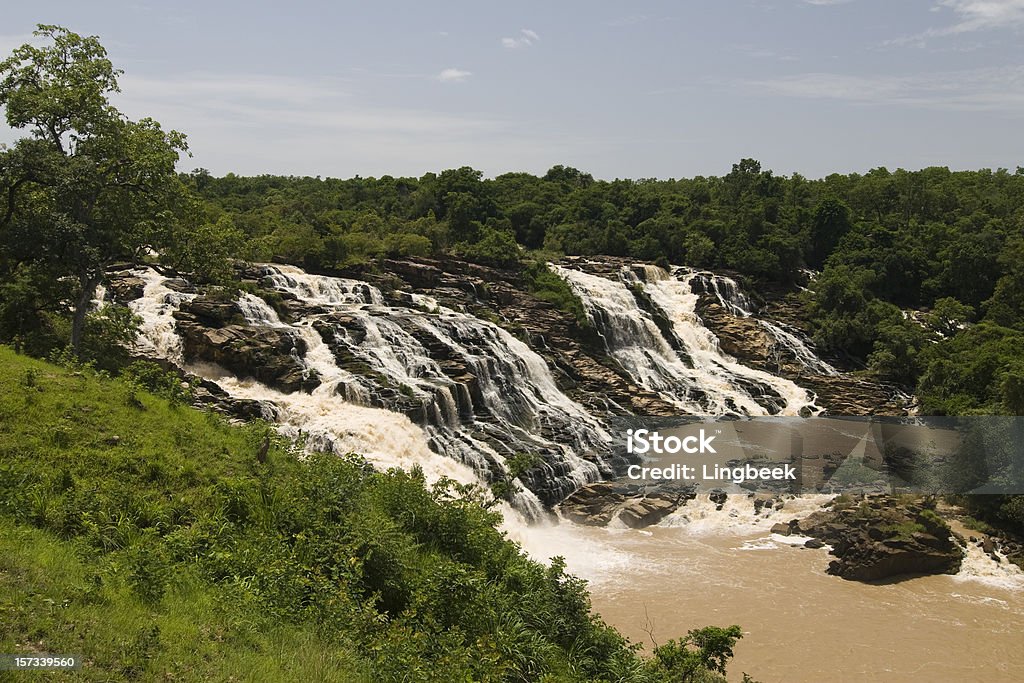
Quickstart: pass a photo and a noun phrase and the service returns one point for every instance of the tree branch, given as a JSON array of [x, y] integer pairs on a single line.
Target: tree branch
[[11, 192]]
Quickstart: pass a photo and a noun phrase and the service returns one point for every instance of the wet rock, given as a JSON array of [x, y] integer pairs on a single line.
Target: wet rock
[[271, 355], [645, 512], [125, 287], [210, 311], [637, 506], [593, 504], [882, 537]]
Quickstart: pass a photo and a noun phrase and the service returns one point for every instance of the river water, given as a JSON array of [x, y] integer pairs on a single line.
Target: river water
[[704, 567]]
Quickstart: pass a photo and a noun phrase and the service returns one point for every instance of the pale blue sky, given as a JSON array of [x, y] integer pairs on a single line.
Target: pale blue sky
[[637, 89]]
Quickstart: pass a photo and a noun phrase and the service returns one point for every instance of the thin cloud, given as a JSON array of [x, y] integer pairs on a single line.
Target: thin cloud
[[827, 2], [246, 104], [972, 16], [994, 89], [982, 15], [453, 75], [526, 38]]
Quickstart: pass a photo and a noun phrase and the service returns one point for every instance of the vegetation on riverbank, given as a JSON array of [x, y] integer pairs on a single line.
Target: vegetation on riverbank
[[153, 540]]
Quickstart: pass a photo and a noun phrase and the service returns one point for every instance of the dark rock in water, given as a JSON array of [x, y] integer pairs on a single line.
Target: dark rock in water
[[718, 497], [594, 504], [638, 514], [637, 507], [814, 544], [781, 529], [125, 287], [268, 354], [209, 311], [177, 284], [766, 502], [881, 537]]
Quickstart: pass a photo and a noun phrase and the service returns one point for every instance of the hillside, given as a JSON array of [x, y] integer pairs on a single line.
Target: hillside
[[156, 542]]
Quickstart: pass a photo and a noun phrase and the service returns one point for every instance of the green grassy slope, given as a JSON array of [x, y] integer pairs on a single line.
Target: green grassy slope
[[148, 538]]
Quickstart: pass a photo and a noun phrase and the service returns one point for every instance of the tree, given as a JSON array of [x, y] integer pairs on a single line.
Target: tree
[[831, 221], [705, 649], [87, 187], [948, 315]]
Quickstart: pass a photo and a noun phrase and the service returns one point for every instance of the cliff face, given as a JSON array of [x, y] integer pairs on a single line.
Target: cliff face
[[499, 379]]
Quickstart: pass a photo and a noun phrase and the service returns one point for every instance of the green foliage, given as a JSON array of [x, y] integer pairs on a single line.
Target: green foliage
[[547, 286], [150, 377], [86, 187], [494, 248], [702, 650], [205, 251]]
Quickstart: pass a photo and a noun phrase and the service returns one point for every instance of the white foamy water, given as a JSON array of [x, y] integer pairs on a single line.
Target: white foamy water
[[324, 418], [700, 379], [980, 568], [159, 337]]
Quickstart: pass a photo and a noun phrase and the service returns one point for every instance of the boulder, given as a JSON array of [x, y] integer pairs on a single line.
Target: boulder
[[593, 504], [268, 354], [882, 537], [638, 514], [125, 287], [637, 507]]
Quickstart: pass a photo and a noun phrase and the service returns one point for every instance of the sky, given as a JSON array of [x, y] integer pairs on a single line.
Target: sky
[[621, 90]]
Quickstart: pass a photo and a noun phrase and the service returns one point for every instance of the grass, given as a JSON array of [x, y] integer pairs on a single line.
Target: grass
[[71, 580], [148, 538], [53, 600]]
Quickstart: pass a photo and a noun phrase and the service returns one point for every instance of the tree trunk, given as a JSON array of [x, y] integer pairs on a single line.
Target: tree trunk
[[89, 284]]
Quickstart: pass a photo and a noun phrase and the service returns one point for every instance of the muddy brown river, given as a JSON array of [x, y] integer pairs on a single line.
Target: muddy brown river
[[703, 567]]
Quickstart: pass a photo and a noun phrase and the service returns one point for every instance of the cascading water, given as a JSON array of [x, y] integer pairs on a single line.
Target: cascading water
[[697, 377], [481, 395], [798, 349], [732, 299], [478, 395]]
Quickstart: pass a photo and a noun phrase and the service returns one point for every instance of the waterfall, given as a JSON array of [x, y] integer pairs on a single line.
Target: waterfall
[[798, 348], [693, 373], [404, 380], [733, 300], [725, 289], [478, 394]]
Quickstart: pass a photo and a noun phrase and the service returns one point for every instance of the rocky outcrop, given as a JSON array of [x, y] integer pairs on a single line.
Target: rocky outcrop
[[125, 286], [746, 339], [636, 506], [881, 537], [213, 330]]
